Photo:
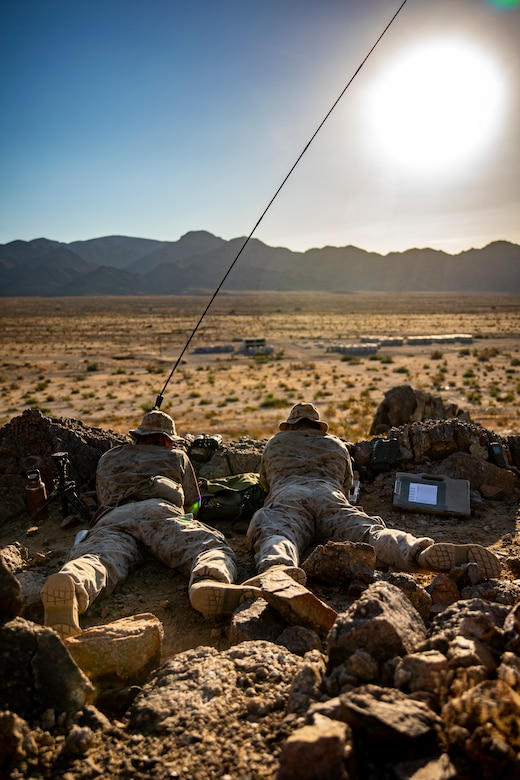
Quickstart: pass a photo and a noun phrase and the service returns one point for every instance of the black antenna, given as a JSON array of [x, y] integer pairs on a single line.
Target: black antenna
[[160, 397]]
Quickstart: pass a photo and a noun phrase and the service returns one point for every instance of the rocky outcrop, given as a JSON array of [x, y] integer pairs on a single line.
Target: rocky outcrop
[[403, 405], [439, 696], [411, 681]]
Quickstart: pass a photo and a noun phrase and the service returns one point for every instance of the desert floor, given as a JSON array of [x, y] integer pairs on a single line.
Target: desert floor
[[104, 360]]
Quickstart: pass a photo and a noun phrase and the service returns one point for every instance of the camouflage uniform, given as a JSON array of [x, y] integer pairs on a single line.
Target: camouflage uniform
[[309, 474], [129, 532]]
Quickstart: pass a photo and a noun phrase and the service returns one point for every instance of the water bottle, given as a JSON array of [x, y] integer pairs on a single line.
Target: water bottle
[[36, 495]]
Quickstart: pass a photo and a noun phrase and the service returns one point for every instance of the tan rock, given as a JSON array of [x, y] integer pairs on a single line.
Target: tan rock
[[318, 750], [120, 653], [295, 603], [341, 561]]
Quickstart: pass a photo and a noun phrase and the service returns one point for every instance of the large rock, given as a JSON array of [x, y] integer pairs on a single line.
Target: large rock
[[403, 404], [37, 672], [120, 653], [295, 603], [341, 562], [319, 750], [394, 722], [382, 622], [480, 473], [472, 618]]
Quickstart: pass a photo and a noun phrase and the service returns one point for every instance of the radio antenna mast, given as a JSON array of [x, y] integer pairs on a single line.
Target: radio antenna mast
[[160, 397]]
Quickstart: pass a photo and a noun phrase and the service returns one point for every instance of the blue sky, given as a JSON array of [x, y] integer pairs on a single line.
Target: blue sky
[[152, 118]]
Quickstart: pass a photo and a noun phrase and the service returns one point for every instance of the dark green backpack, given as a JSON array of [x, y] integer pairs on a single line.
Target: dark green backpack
[[230, 499]]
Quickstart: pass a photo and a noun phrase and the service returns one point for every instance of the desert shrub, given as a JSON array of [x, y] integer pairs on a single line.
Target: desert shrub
[[486, 354], [270, 402]]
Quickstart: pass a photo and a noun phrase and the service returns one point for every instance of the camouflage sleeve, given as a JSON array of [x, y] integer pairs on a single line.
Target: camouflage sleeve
[[190, 487], [263, 476], [348, 481]]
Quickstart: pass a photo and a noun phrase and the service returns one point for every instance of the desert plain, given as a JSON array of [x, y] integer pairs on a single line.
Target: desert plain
[[105, 360]]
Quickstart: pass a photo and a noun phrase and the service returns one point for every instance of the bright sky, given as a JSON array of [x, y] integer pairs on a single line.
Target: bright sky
[[151, 118]]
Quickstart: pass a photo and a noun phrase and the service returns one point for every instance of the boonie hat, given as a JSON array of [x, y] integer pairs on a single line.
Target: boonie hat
[[304, 412], [155, 422]]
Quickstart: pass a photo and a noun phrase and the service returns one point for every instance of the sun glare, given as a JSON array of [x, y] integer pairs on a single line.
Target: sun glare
[[435, 108]]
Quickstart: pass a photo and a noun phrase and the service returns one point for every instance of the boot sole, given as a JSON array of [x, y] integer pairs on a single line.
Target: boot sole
[[60, 605], [218, 598], [444, 556]]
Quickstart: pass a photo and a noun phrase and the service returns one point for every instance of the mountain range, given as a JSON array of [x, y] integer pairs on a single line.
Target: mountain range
[[198, 262]]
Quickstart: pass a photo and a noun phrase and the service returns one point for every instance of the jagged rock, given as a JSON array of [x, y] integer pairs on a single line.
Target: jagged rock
[[434, 440], [120, 653], [320, 750], [361, 666], [14, 556], [483, 722], [482, 475], [427, 671], [443, 591], [30, 577], [295, 603], [512, 629], [11, 602], [79, 741], [509, 670], [38, 673], [419, 597], [341, 561], [403, 404], [16, 741], [299, 640], [474, 618], [382, 622], [391, 720], [255, 619], [513, 564], [465, 678], [495, 591], [305, 687], [463, 652]]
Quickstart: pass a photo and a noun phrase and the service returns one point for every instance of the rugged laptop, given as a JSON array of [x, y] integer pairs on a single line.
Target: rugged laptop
[[431, 493]]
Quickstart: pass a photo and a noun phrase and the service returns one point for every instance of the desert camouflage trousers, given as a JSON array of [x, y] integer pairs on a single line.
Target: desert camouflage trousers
[[133, 533], [300, 512]]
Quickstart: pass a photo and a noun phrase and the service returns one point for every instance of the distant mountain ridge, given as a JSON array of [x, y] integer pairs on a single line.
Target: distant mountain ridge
[[198, 261]]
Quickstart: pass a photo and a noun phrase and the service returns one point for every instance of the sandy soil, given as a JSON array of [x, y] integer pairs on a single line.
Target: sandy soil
[[105, 360]]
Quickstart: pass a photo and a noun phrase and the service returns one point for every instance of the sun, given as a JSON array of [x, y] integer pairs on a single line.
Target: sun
[[436, 108]]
